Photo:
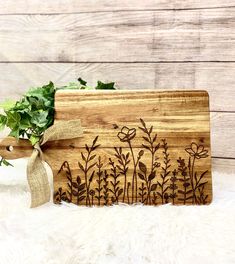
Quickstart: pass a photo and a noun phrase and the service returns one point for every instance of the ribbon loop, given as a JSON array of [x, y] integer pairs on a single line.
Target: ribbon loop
[[36, 172]]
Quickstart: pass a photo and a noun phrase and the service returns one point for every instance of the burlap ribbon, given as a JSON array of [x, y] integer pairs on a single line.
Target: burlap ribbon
[[36, 172]]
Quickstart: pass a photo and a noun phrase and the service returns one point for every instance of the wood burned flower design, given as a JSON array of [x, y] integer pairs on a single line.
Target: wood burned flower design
[[197, 151], [126, 134], [137, 174]]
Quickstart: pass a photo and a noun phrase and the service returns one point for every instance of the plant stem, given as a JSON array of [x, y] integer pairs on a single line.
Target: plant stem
[[124, 194], [128, 187], [152, 162], [86, 180], [70, 181], [134, 180], [191, 178]]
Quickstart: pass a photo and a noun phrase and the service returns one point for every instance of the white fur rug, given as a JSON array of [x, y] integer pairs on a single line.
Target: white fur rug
[[121, 234]]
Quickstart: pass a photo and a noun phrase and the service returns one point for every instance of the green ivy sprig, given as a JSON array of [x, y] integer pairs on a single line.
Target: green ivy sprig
[[34, 113]]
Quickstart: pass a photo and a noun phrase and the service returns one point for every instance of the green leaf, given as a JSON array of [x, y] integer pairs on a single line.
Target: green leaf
[[25, 122], [34, 139], [49, 88], [35, 92], [82, 82], [15, 132], [43, 94], [105, 86], [3, 121], [8, 104], [13, 119], [39, 118], [5, 162]]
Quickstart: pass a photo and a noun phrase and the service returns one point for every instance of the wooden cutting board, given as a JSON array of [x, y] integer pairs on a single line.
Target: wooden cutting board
[[150, 147]]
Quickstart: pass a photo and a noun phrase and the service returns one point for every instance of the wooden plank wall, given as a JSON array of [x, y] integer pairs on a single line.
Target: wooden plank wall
[[160, 44]]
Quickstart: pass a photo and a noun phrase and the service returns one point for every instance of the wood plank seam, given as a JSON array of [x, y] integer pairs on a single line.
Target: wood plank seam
[[120, 10]]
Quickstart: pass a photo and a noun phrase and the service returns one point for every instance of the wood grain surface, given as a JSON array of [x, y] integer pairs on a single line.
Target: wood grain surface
[[137, 146], [150, 36], [74, 6]]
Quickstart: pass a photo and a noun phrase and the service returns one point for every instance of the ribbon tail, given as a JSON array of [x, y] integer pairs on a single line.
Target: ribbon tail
[[38, 180], [36, 172]]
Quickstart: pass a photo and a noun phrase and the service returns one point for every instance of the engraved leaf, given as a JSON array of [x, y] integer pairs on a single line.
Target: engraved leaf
[[119, 167], [75, 193], [91, 166], [78, 180], [202, 175], [87, 148], [141, 128], [80, 166], [92, 175], [83, 157], [146, 139], [82, 192], [81, 198], [141, 176], [69, 177], [188, 192], [92, 157], [95, 140], [81, 187], [152, 176], [111, 190], [157, 147], [142, 167], [117, 156], [202, 184], [154, 139], [190, 197], [153, 187], [142, 122], [74, 184], [95, 147], [120, 192], [146, 147], [186, 184]]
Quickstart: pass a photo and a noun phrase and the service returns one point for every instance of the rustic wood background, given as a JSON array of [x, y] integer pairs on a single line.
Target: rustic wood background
[[160, 44]]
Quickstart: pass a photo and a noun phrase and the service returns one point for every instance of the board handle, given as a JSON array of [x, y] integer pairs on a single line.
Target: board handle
[[11, 149]]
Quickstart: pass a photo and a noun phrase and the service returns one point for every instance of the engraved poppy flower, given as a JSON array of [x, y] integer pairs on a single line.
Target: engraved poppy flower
[[197, 151], [126, 134]]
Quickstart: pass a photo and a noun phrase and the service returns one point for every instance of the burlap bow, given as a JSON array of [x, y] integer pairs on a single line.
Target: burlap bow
[[36, 172]]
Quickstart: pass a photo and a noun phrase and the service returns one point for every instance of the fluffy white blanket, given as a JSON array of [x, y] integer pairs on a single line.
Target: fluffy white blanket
[[120, 234]]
